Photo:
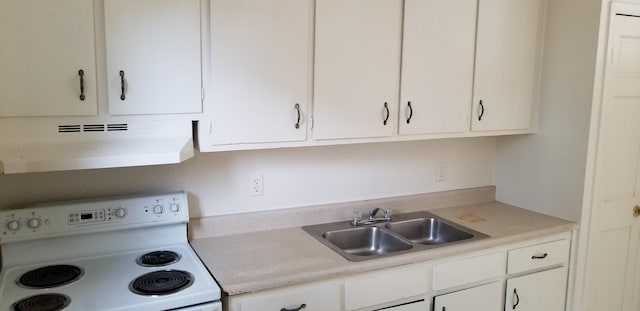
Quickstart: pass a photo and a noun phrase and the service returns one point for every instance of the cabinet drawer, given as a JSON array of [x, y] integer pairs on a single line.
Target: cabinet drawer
[[465, 271], [538, 256], [316, 297], [487, 297], [385, 286]]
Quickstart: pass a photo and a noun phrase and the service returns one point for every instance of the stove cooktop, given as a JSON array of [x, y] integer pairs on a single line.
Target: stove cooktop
[[106, 282]]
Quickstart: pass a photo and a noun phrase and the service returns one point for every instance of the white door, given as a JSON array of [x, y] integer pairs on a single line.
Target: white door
[[357, 68], [486, 298], [261, 61], [542, 291], [438, 49], [507, 49], [612, 266], [153, 56], [47, 58]]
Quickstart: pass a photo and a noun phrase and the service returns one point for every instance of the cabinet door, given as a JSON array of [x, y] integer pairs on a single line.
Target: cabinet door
[[506, 64], [357, 68], [43, 47], [485, 298], [437, 66], [538, 291], [153, 56], [261, 59]]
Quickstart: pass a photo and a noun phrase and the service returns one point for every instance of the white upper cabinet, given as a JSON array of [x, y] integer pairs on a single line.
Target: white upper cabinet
[[507, 53], [357, 68], [47, 58], [437, 66], [153, 56], [261, 70]]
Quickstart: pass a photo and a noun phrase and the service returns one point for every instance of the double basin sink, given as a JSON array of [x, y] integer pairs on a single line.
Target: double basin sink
[[405, 233]]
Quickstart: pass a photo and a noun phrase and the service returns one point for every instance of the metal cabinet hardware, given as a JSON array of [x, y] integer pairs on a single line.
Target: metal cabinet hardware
[[636, 211], [122, 97], [515, 292], [297, 106], [410, 112], [481, 111], [387, 113], [81, 74], [543, 256], [302, 306]]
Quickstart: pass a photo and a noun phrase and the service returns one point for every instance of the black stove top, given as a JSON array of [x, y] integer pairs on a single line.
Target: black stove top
[[50, 276], [162, 282], [44, 302]]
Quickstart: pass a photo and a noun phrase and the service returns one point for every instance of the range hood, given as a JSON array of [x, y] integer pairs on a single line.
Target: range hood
[[56, 146]]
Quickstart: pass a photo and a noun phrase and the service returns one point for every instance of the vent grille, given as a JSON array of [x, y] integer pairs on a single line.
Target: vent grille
[[77, 128], [93, 128], [117, 127], [69, 128]]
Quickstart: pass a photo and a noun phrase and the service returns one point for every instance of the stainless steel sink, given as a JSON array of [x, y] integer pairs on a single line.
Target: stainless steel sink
[[405, 233], [366, 241], [428, 231]]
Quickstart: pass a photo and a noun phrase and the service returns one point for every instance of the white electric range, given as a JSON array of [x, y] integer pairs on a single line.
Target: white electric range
[[126, 253]]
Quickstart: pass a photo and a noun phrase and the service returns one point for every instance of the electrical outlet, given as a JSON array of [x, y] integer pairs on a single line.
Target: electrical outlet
[[441, 171], [257, 186]]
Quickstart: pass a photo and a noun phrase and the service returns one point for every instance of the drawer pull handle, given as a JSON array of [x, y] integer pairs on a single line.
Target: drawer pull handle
[[515, 292], [543, 256], [302, 306], [410, 115], [122, 96], [387, 114], [81, 74], [481, 111], [297, 125]]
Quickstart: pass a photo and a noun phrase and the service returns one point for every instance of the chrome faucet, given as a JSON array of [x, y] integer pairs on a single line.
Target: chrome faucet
[[357, 221]]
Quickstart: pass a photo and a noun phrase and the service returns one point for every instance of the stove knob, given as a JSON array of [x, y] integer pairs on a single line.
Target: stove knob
[[121, 212], [158, 209], [174, 207], [13, 225], [33, 223]]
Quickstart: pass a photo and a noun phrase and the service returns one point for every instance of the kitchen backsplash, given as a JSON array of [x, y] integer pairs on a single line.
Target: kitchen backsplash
[[222, 183]]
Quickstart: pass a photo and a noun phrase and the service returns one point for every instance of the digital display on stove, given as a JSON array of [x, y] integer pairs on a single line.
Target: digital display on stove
[[85, 216]]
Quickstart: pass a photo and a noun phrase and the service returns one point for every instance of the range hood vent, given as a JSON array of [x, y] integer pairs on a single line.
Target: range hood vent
[[77, 128], [46, 145]]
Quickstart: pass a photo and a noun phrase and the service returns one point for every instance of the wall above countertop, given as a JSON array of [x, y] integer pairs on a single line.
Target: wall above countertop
[[220, 183]]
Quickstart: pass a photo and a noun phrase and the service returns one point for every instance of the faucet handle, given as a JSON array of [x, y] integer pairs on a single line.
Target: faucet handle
[[387, 213]]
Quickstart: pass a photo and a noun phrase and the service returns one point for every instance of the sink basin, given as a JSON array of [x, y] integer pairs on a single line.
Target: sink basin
[[366, 241], [428, 231], [409, 232]]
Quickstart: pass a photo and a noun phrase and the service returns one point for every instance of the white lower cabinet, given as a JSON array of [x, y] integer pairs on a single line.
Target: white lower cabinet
[[401, 284], [486, 298], [535, 272], [544, 290], [322, 296]]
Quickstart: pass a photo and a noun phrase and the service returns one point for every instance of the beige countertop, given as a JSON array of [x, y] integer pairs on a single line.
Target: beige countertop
[[255, 261]]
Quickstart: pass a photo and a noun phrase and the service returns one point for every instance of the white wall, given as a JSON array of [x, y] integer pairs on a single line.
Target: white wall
[[545, 172], [219, 183]]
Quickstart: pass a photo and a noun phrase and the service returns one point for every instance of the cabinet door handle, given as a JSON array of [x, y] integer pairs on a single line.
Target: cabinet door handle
[[444, 308], [515, 293], [122, 97], [297, 106], [302, 306], [387, 113], [81, 74], [543, 256], [410, 112], [481, 111]]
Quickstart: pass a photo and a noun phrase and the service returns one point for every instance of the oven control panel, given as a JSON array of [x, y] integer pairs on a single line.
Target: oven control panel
[[81, 217]]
